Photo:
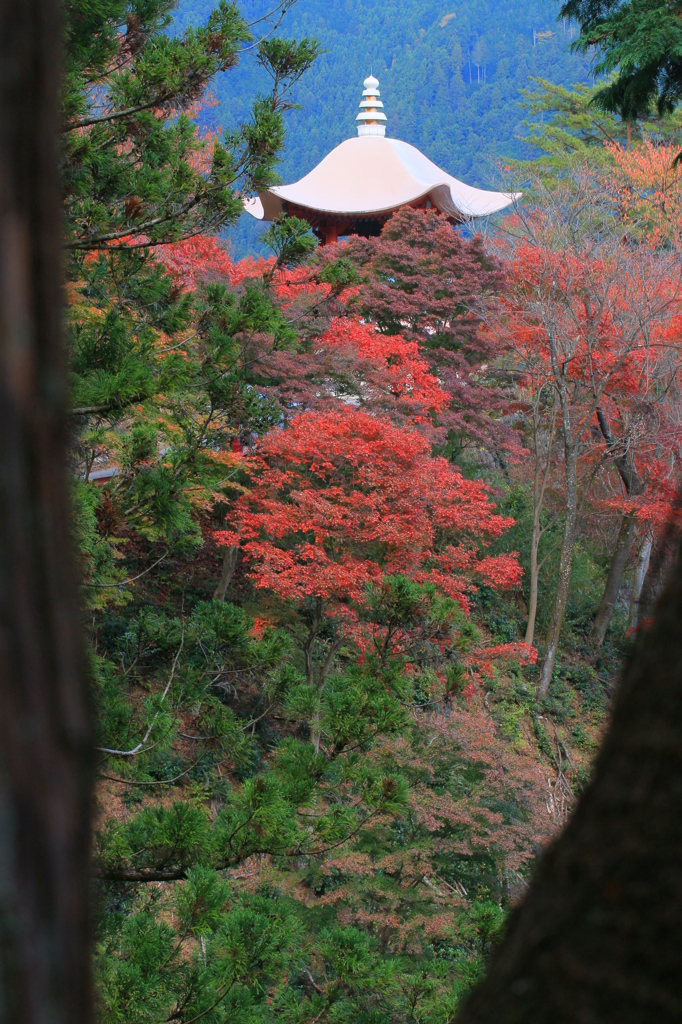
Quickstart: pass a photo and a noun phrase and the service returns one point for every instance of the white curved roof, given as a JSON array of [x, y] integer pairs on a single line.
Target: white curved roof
[[372, 175]]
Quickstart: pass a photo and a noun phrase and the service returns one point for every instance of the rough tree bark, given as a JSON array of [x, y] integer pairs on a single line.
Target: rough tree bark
[[626, 533], [45, 753], [540, 480], [230, 559], [564, 575], [597, 938], [570, 519], [661, 563], [317, 674], [607, 605], [638, 581]]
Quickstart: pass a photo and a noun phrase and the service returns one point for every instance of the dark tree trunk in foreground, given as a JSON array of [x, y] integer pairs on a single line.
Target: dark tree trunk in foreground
[[45, 775], [598, 937]]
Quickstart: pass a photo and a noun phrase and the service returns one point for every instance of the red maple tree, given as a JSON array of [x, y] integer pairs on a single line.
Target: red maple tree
[[205, 259], [354, 363], [341, 500], [590, 321], [425, 281]]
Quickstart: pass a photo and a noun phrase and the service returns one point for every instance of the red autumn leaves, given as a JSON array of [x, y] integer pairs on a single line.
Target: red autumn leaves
[[343, 498], [354, 363], [348, 491]]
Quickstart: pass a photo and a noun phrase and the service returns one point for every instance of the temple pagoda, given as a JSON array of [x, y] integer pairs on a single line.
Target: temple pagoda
[[365, 180]]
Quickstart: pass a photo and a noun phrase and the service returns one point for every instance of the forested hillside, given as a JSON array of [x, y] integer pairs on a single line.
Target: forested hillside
[[364, 531], [450, 77]]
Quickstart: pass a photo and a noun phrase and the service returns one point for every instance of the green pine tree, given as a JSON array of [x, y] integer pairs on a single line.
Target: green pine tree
[[640, 40]]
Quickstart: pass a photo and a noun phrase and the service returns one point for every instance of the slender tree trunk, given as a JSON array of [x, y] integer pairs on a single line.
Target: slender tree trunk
[[324, 670], [230, 559], [308, 651], [564, 577], [661, 564], [597, 936], [540, 480], [45, 751], [318, 678], [602, 621], [316, 729], [534, 576], [308, 655], [638, 582], [633, 486], [538, 494]]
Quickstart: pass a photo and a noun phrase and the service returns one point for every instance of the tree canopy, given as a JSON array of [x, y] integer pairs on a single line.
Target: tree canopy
[[346, 520], [640, 43]]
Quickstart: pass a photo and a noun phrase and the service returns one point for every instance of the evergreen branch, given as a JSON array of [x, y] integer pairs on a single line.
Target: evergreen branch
[[91, 410], [115, 115], [208, 1010], [351, 835], [140, 745], [320, 1015], [138, 229], [142, 875], [145, 875], [156, 244], [125, 583], [156, 782], [283, 6], [254, 721]]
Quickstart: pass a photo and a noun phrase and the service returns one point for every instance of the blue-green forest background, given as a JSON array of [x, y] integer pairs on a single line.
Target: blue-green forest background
[[425, 53]]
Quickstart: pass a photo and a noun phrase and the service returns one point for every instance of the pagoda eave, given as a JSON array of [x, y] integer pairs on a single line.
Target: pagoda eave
[[329, 226], [358, 187]]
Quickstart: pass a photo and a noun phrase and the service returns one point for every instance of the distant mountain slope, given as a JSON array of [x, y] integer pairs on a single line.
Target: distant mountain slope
[[450, 72]]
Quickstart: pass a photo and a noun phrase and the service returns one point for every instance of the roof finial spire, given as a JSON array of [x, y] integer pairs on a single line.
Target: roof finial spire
[[371, 113]]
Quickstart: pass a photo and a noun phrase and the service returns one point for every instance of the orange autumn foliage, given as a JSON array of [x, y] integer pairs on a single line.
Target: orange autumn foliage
[[204, 258], [647, 186]]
